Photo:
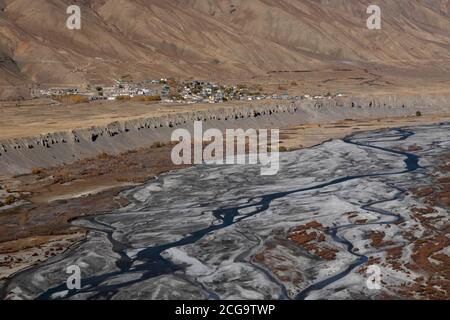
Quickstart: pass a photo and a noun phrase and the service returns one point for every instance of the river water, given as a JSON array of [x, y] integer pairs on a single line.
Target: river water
[[194, 233]]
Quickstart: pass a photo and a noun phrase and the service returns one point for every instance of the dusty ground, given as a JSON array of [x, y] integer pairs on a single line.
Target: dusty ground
[[42, 116], [356, 81], [430, 255], [308, 135], [49, 198], [33, 250], [34, 119], [243, 39], [429, 258]]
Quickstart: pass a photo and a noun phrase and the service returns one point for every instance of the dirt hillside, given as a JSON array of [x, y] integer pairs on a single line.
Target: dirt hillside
[[232, 39]]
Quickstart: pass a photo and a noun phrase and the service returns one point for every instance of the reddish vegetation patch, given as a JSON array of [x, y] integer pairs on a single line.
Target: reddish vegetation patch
[[439, 193], [280, 266], [423, 192], [311, 237], [427, 257], [42, 218], [377, 239], [352, 217], [370, 262], [426, 248], [32, 250], [51, 218], [394, 256], [427, 217], [352, 214], [259, 257]]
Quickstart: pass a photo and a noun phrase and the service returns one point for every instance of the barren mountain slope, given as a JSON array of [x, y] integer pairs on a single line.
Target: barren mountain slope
[[213, 38]]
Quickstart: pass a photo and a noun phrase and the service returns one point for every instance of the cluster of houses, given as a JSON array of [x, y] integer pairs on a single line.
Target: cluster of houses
[[171, 91], [131, 89], [198, 91], [119, 89], [207, 92], [328, 96], [49, 92]]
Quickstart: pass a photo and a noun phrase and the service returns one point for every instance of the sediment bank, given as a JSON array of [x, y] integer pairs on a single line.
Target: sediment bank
[[21, 155]]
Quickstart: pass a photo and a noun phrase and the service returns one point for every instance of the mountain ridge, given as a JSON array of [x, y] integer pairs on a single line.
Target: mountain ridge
[[212, 39]]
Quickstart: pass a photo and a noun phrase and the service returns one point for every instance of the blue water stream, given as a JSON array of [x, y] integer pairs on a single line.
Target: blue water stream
[[150, 263]]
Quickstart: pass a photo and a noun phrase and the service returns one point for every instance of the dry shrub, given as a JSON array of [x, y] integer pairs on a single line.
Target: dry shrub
[[103, 156], [280, 149], [147, 98], [123, 98], [9, 200], [62, 176], [71, 99], [36, 171], [157, 144], [172, 82]]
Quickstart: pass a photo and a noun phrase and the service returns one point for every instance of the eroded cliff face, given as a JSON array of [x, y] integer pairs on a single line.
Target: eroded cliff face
[[19, 156]]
